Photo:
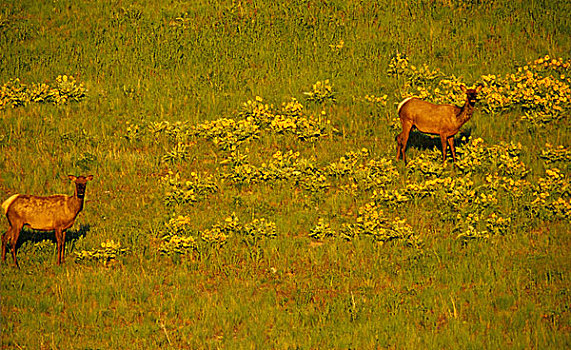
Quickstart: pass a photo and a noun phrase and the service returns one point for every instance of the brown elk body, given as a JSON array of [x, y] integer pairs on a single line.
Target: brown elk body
[[52, 213], [443, 120]]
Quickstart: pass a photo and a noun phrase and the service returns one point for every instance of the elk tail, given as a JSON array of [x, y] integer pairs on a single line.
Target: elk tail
[[403, 103], [7, 202]]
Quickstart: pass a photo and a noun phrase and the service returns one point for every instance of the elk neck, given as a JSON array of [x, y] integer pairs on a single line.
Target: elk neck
[[79, 195], [466, 112]]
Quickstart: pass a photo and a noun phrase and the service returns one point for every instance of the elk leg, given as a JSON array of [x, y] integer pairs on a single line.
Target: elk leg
[[398, 146], [59, 245], [63, 246], [402, 140], [451, 144], [15, 235], [397, 139], [444, 143], [4, 241]]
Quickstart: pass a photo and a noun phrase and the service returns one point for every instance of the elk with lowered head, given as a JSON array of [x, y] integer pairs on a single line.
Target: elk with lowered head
[[444, 120], [52, 213]]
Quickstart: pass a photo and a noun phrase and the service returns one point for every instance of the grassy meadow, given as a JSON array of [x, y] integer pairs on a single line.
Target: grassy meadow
[[246, 192]]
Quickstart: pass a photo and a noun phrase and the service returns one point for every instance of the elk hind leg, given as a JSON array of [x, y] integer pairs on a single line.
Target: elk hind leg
[[402, 140], [14, 234], [4, 242]]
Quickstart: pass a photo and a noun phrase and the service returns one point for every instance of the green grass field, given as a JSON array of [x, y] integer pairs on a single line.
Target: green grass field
[[246, 192]]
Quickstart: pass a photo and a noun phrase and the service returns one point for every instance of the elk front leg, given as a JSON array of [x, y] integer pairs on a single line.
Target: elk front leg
[[451, 144], [63, 246], [444, 144], [59, 240]]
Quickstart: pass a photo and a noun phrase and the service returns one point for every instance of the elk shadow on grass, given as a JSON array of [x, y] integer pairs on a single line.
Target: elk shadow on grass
[[422, 141], [34, 236]]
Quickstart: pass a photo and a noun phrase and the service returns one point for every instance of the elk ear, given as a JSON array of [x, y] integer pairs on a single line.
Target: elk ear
[[89, 177], [72, 177], [463, 88]]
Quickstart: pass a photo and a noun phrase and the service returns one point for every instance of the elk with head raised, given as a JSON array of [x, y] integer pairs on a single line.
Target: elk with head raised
[[52, 213], [444, 120]]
